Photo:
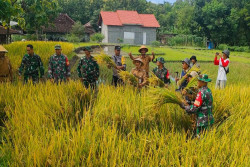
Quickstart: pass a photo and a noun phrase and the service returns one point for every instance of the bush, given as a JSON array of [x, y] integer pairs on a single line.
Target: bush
[[155, 43], [186, 40], [222, 46], [73, 38], [98, 37]]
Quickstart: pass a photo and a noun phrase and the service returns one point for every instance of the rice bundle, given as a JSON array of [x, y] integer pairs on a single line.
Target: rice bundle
[[128, 78], [155, 81], [194, 68], [192, 83], [104, 58], [158, 97]]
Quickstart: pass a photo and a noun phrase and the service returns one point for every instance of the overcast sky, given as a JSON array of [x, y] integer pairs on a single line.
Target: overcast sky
[[161, 1]]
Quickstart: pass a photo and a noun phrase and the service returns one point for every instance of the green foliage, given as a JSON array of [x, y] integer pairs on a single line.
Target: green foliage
[[186, 40], [222, 46], [155, 43], [72, 38], [98, 37], [78, 29]]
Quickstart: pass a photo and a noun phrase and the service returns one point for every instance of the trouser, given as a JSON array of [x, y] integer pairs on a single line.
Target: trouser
[[33, 77], [201, 129], [220, 84], [116, 80]]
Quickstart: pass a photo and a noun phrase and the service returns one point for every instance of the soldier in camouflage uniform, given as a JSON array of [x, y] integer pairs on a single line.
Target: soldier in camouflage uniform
[[161, 72], [58, 66], [202, 106], [5, 66], [88, 69], [31, 64]]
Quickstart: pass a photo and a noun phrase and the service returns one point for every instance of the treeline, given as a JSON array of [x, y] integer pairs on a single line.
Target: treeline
[[221, 21]]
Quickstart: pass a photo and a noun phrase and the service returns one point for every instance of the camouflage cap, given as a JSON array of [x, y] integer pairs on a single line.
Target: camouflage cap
[[161, 60], [87, 48], [204, 78], [2, 49], [58, 47]]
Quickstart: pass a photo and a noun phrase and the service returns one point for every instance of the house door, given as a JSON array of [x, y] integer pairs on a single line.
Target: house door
[[144, 38], [129, 37]]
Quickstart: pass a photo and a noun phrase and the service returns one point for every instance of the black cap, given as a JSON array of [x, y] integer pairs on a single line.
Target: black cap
[[193, 58], [117, 47]]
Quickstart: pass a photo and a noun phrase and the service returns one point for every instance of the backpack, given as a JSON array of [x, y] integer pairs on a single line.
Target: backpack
[[227, 71]]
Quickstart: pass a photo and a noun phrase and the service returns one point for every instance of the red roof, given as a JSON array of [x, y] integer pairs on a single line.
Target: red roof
[[124, 17]]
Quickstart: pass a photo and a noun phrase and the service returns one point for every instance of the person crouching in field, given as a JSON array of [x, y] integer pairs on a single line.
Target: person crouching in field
[[145, 59], [58, 66], [223, 63], [88, 69], [31, 64], [202, 106], [140, 73], [161, 72], [6, 73]]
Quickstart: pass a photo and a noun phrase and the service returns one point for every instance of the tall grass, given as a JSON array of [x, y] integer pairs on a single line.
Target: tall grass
[[67, 125]]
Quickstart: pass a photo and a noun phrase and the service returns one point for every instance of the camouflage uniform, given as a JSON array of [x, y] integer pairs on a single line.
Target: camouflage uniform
[[5, 69], [202, 107], [162, 74], [59, 68], [88, 70], [31, 65]]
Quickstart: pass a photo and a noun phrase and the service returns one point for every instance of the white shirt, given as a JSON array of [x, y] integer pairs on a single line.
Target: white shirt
[[221, 71]]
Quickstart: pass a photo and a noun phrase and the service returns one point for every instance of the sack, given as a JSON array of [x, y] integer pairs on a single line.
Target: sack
[[227, 71]]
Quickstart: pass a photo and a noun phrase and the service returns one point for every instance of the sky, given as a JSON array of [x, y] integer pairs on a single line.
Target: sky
[[161, 1]]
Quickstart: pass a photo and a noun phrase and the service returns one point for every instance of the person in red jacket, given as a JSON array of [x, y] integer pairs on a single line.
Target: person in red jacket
[[223, 63]]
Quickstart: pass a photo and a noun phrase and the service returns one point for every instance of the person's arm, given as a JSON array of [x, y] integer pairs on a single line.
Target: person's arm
[[67, 67], [216, 61], [79, 69], [196, 106], [41, 68], [20, 70], [131, 57], [50, 68], [145, 81], [224, 62], [167, 78], [152, 57]]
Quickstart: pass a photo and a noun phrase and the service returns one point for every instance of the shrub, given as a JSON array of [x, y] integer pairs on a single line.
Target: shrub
[[155, 43], [98, 37]]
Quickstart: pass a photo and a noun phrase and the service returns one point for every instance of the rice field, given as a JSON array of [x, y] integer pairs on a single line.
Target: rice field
[[68, 125]]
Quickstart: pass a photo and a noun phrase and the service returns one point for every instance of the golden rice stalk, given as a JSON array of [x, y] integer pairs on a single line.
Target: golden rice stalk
[[194, 68], [155, 81], [128, 78], [104, 58], [158, 97], [192, 83]]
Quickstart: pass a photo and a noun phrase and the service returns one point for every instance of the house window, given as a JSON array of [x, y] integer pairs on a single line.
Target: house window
[[129, 37]]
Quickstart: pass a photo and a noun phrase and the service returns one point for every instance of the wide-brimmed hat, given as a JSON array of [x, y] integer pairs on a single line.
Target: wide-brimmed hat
[[226, 52], [138, 59], [193, 74], [186, 60], [161, 60], [2, 49], [204, 78], [58, 47], [143, 47], [87, 48]]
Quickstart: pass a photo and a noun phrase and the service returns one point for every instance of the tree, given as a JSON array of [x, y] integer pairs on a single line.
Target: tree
[[39, 14], [98, 37], [10, 10]]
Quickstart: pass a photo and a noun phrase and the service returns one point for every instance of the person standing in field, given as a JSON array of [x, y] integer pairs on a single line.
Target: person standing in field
[[223, 64], [146, 59], [185, 69], [6, 73], [194, 62], [139, 72], [58, 69], [161, 72], [88, 69], [120, 65], [202, 106], [31, 65]]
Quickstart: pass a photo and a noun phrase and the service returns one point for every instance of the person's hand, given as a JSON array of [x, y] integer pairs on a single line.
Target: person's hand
[[68, 78], [166, 86], [52, 80], [220, 55], [140, 85], [185, 103], [185, 76]]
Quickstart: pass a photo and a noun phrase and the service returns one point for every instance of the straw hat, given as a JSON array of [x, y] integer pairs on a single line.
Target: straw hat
[[143, 47], [138, 59], [2, 49]]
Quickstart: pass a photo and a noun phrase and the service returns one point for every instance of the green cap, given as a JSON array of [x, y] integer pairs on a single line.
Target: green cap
[[87, 48], [57, 47], [204, 78], [161, 60]]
